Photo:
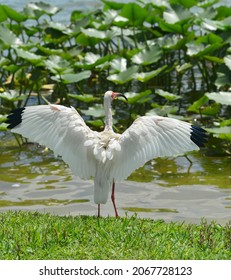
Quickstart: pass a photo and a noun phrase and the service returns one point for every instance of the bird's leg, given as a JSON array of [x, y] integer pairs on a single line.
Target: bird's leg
[[98, 210], [113, 199]]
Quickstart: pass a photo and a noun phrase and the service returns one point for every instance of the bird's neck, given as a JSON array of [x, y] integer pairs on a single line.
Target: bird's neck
[[108, 118]]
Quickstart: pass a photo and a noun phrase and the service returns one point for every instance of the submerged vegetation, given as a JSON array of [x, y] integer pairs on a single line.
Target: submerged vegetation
[[169, 57]]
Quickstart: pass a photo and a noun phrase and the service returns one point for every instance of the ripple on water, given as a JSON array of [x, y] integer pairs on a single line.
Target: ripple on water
[[170, 188]]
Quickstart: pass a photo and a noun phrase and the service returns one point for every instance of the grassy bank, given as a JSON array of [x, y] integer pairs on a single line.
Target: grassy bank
[[26, 235]]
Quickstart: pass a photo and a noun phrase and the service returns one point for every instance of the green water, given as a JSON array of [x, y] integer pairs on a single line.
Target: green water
[[181, 188]]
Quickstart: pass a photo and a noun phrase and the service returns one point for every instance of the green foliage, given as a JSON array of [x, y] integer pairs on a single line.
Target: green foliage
[[173, 48], [26, 235], [220, 97], [169, 96]]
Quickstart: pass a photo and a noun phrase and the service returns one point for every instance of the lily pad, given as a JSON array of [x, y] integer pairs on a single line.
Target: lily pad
[[75, 77], [3, 126], [146, 76], [113, 5], [227, 60], [31, 57], [12, 96], [3, 118], [176, 13], [184, 67], [3, 15], [97, 111], [211, 109], [125, 76], [68, 78], [57, 64], [86, 40], [223, 77], [58, 26], [135, 13], [33, 8], [213, 25], [8, 38], [99, 34], [201, 107], [119, 64], [221, 97], [138, 97], [226, 123], [12, 14], [92, 61], [87, 98], [95, 123], [167, 95], [221, 132], [196, 106], [91, 58], [148, 56], [199, 49]]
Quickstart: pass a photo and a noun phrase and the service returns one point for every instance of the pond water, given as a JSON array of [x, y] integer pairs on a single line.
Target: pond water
[[68, 6], [172, 189]]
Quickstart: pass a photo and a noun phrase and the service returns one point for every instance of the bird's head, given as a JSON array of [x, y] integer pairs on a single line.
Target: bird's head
[[110, 95]]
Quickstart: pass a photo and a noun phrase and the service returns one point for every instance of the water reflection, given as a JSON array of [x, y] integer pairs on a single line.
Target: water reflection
[[170, 189]]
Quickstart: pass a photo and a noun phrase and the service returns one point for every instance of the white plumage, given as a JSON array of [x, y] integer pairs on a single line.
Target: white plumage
[[106, 156]]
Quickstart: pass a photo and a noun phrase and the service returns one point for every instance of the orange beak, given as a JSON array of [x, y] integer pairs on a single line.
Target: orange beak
[[116, 94]]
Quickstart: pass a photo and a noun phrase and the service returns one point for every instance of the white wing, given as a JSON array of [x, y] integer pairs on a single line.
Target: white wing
[[151, 137], [62, 130]]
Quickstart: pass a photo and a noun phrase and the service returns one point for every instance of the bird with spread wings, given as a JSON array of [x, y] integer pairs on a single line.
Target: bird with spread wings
[[107, 156]]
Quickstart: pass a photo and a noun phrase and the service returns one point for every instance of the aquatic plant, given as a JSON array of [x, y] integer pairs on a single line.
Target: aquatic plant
[[170, 57]]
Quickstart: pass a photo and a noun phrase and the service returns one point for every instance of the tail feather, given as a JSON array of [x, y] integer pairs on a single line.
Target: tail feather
[[102, 186]]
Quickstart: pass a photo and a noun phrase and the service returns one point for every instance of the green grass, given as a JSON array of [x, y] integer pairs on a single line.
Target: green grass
[[29, 235]]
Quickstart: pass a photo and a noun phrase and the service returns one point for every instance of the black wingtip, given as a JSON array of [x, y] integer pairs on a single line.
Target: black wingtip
[[14, 118], [198, 135]]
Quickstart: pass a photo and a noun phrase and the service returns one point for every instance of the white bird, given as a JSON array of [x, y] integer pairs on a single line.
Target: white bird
[[107, 156]]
